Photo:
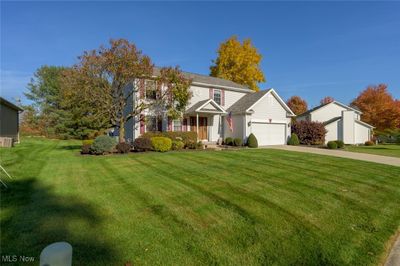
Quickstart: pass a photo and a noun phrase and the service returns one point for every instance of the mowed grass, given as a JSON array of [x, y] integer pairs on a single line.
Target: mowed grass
[[248, 207], [392, 150]]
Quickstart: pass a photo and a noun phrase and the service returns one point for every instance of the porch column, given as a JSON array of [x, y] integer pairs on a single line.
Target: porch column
[[197, 125]]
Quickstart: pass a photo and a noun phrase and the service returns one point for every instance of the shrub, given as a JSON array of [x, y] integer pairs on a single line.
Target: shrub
[[123, 147], [309, 133], [87, 141], [332, 145], [185, 137], [103, 144], [199, 145], [85, 149], [340, 144], [252, 141], [369, 143], [177, 145], [161, 144], [142, 144], [293, 140], [237, 142], [228, 141], [195, 145]]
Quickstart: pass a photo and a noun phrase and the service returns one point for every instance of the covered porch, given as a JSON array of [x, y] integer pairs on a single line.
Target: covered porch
[[206, 118]]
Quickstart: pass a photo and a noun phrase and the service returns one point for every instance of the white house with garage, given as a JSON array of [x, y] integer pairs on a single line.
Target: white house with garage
[[342, 122], [219, 109]]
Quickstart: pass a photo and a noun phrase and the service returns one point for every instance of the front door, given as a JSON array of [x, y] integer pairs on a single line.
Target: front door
[[202, 127]]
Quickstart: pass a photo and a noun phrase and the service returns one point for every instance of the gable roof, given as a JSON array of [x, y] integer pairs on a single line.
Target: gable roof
[[364, 124], [10, 104], [197, 107], [245, 103], [325, 104], [204, 80], [330, 121]]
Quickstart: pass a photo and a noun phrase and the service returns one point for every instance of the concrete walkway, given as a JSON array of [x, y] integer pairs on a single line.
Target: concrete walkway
[[394, 256], [340, 153]]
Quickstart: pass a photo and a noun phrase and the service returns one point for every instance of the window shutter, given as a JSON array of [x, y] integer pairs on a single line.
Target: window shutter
[[141, 88], [211, 93], [223, 97], [169, 124], [184, 125], [142, 129]]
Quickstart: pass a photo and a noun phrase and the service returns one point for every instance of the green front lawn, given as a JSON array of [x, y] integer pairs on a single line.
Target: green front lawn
[[246, 207], [382, 149]]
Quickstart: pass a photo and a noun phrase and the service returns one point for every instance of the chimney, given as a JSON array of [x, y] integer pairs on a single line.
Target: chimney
[[348, 126]]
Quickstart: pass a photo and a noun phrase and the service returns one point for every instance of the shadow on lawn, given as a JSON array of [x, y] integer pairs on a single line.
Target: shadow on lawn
[[70, 147], [33, 217]]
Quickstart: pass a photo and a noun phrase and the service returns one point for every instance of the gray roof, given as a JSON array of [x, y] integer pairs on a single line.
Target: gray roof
[[195, 106], [246, 101], [208, 80], [327, 122]]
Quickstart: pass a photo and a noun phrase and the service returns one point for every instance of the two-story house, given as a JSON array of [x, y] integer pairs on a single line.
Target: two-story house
[[342, 122], [218, 109]]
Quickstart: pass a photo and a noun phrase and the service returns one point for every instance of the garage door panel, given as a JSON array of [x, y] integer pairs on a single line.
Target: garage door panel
[[269, 134]]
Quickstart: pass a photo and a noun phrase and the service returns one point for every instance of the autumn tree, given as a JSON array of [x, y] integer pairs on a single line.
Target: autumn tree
[[297, 104], [326, 100], [112, 75], [379, 107], [238, 62]]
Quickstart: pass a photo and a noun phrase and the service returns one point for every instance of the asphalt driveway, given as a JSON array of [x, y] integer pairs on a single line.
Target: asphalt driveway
[[340, 153]]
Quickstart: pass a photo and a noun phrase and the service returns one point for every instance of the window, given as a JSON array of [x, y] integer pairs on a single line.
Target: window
[[177, 125], [153, 123], [151, 89], [217, 96]]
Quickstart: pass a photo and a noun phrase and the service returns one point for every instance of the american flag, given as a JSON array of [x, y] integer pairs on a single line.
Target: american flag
[[230, 121]]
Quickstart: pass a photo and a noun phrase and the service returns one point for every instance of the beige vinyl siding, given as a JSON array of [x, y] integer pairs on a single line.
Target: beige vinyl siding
[[269, 108], [203, 93], [327, 112]]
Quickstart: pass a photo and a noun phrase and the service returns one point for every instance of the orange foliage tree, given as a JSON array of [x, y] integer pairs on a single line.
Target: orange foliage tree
[[326, 100], [379, 107], [297, 104]]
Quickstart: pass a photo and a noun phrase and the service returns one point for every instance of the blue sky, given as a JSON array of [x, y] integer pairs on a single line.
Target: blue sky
[[310, 49]]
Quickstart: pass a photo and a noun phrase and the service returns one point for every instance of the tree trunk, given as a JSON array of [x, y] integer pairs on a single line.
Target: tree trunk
[[122, 130]]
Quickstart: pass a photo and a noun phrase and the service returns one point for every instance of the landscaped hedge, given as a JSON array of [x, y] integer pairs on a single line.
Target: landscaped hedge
[[332, 145], [369, 143], [252, 141], [309, 133], [185, 137], [123, 147], [340, 143], [228, 141], [294, 140], [237, 142], [161, 144], [142, 144], [103, 144], [177, 145]]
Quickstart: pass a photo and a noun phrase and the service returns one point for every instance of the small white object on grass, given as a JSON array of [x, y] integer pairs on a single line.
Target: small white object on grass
[[56, 254]]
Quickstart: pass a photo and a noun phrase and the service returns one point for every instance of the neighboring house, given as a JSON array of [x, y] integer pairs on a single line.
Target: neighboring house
[[214, 102], [342, 122], [9, 120]]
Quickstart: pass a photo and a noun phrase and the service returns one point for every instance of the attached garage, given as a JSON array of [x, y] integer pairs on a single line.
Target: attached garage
[[269, 133]]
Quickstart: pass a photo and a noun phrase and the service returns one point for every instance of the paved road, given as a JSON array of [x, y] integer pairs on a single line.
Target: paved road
[[339, 153]]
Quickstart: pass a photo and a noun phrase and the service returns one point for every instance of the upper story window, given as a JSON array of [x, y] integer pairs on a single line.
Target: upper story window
[[151, 89], [217, 96]]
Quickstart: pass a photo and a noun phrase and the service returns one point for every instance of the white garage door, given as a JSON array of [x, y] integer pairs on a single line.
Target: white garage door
[[269, 134]]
